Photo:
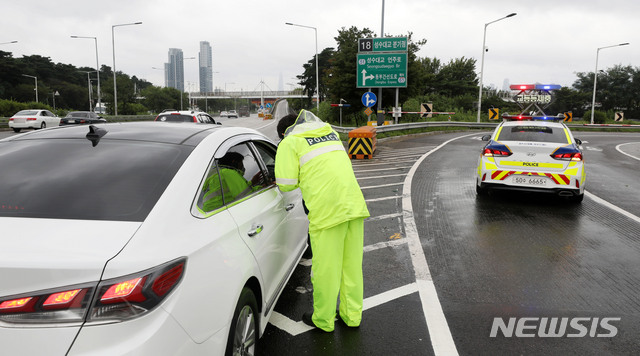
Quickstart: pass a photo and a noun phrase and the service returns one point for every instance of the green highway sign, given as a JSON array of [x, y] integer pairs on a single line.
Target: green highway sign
[[382, 70], [384, 44]]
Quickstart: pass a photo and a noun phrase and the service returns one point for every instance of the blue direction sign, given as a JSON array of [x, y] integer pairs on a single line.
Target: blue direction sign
[[369, 99]]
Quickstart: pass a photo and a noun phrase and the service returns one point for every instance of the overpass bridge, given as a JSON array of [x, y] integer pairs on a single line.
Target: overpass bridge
[[267, 96]]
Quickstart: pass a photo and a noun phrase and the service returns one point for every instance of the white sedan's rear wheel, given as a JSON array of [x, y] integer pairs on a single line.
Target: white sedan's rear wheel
[[243, 334]]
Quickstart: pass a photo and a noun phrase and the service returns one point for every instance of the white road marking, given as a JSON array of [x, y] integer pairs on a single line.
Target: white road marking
[[298, 327], [386, 164], [379, 177], [441, 339], [305, 262], [381, 199], [380, 245], [624, 153], [589, 148], [612, 207], [381, 169], [382, 217], [380, 186]]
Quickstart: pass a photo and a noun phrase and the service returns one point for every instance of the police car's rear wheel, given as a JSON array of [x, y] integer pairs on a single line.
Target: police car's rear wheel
[[480, 190]]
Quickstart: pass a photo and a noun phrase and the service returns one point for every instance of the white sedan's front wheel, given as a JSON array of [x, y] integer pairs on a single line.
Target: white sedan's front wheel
[[243, 334]]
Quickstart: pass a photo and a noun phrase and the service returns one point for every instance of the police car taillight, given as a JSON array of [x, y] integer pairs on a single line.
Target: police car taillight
[[570, 156], [492, 152]]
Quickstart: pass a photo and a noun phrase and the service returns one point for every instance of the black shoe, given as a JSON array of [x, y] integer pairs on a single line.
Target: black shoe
[[344, 322], [306, 318], [307, 253]]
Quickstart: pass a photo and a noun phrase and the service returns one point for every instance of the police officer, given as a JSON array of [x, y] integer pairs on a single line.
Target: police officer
[[312, 157]]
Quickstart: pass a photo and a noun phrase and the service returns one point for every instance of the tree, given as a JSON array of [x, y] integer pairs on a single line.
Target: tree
[[157, 99], [308, 77], [568, 99], [458, 77], [342, 74], [618, 88]]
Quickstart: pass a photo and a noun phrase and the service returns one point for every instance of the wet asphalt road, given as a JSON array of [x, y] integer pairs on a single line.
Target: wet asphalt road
[[506, 256]]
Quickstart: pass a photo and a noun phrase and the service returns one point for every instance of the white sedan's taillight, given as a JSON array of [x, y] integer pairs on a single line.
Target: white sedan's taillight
[[115, 299]]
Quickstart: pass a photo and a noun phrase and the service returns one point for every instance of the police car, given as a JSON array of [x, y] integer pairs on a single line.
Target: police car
[[532, 153]]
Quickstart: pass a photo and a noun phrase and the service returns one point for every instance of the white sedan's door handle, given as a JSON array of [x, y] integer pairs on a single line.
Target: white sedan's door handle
[[256, 230], [289, 207]]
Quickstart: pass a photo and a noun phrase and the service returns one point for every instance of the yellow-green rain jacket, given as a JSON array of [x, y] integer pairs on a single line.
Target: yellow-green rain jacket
[[233, 185], [312, 157]]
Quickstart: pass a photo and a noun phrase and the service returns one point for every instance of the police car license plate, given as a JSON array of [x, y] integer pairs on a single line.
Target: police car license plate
[[533, 181]]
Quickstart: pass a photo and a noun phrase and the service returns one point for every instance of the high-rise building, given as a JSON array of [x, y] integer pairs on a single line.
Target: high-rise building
[[206, 67], [174, 70]]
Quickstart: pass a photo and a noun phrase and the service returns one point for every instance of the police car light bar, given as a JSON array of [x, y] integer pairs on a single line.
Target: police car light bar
[[535, 86], [533, 118]]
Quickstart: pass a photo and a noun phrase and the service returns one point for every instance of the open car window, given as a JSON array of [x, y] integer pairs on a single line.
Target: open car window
[[230, 179]]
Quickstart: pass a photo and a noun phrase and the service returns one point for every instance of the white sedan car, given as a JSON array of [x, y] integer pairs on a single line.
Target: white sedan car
[[142, 239], [536, 156], [33, 119]]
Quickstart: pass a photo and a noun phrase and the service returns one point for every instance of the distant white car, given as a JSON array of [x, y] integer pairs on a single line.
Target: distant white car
[[224, 114], [232, 113], [33, 119]]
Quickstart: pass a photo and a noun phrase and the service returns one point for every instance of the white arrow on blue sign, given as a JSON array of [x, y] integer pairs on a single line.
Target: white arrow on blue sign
[[369, 99]]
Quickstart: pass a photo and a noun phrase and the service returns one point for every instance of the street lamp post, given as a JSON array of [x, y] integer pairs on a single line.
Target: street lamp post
[[36, 80], [206, 106], [156, 68], [317, 77], [482, 61], [595, 77], [225, 91], [97, 68], [89, 86], [113, 46], [54, 94]]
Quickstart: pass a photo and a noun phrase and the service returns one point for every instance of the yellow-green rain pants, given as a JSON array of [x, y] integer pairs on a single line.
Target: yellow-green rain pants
[[337, 269]]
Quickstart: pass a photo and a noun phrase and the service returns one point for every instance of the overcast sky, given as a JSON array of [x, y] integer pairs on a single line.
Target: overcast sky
[[547, 42]]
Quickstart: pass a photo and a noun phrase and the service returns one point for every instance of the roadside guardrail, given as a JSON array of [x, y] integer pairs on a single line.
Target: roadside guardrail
[[473, 125]]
